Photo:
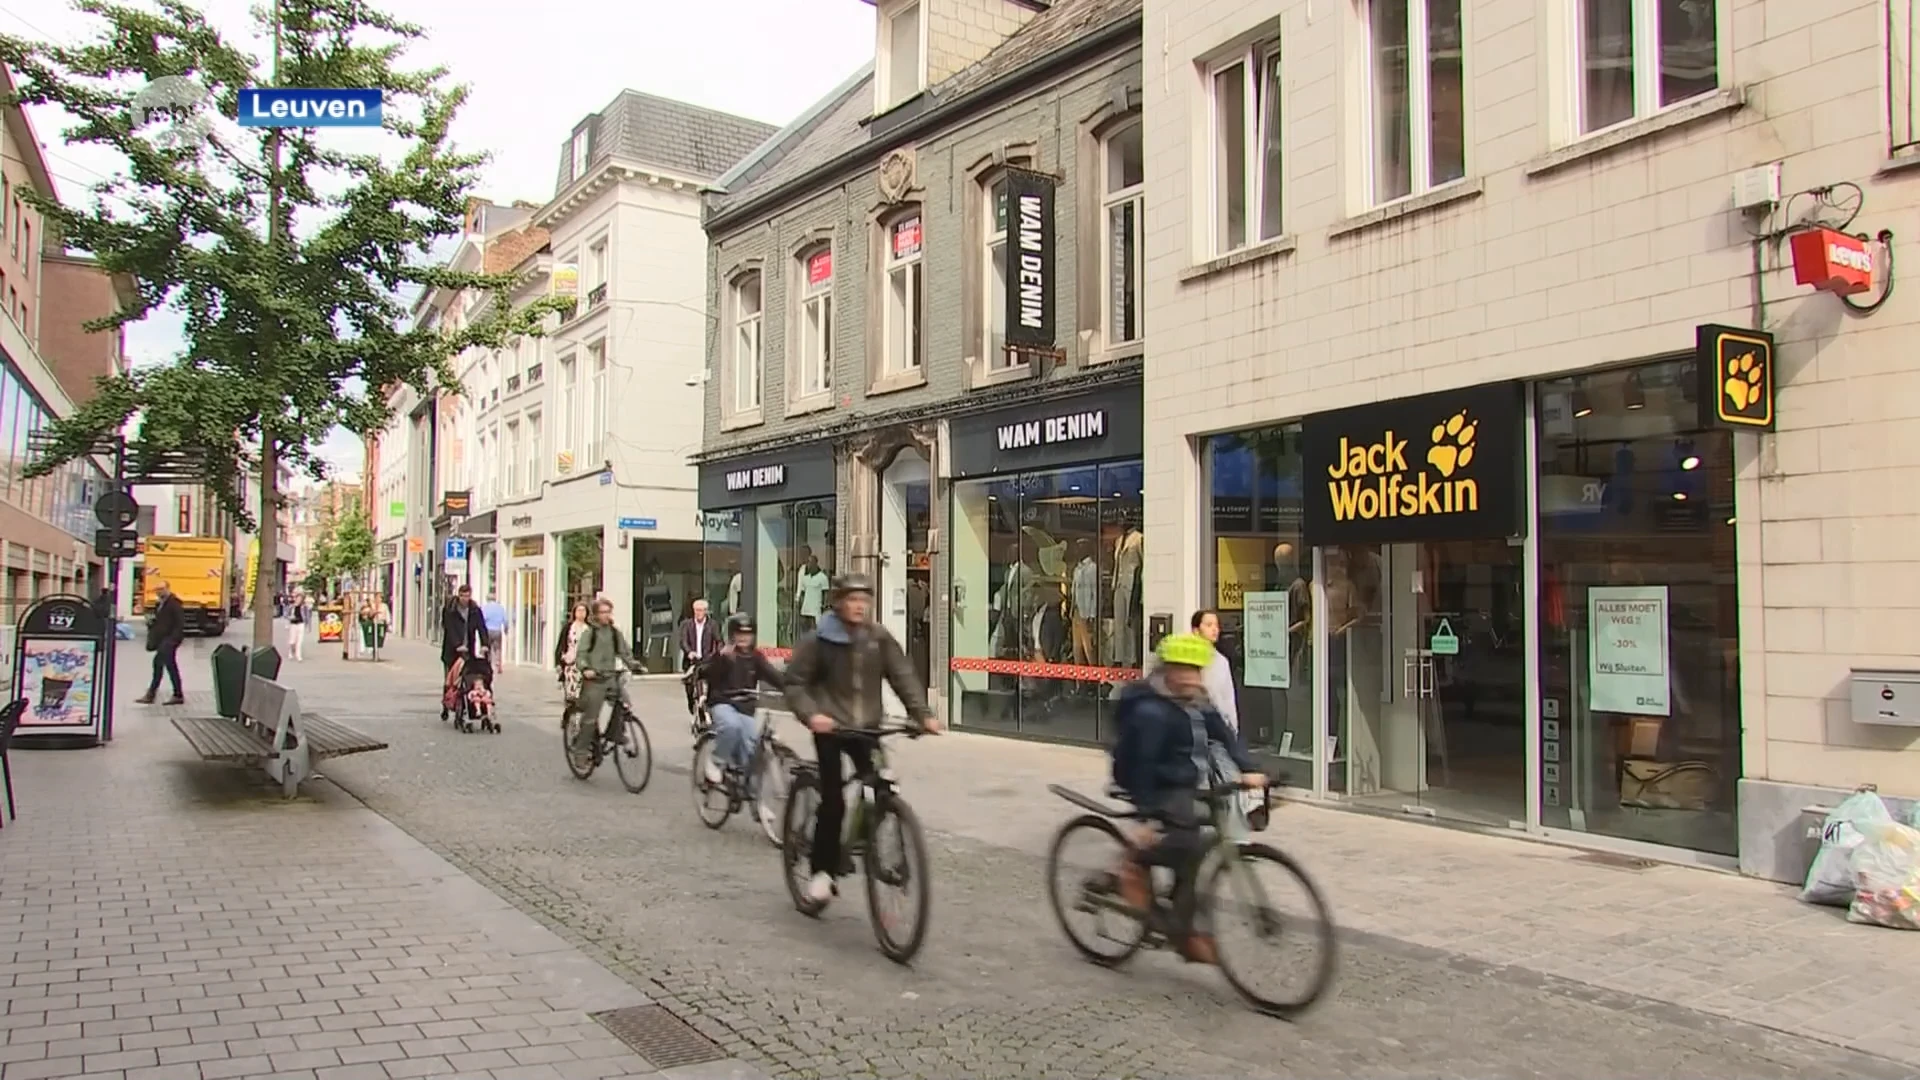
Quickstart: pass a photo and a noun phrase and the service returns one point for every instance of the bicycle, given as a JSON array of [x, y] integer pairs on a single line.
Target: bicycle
[[873, 800], [772, 763], [1223, 868], [625, 741], [702, 720]]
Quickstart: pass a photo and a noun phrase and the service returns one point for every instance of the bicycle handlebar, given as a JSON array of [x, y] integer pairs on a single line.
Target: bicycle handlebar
[[911, 731]]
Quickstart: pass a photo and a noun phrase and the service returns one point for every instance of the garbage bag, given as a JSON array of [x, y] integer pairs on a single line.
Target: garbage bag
[[1830, 878], [1886, 877]]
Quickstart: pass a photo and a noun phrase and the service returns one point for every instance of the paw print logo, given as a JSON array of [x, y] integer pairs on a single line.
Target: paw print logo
[[1453, 444], [1743, 381]]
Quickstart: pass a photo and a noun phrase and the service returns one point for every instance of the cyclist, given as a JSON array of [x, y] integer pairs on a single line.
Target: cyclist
[[733, 676], [834, 681], [599, 655], [1170, 742]]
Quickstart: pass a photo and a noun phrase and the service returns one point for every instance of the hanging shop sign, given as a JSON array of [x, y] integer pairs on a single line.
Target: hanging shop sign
[[1030, 259], [456, 503], [803, 472], [1627, 656], [1442, 466], [1735, 369], [1831, 261], [1065, 431]]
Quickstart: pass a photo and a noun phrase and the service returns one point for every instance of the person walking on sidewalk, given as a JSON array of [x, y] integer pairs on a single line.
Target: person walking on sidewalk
[[164, 634], [463, 634], [497, 622], [296, 625]]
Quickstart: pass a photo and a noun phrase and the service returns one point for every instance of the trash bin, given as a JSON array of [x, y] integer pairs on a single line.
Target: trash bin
[[231, 666], [373, 634]]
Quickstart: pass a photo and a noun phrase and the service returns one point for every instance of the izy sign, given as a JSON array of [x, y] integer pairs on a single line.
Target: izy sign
[[751, 479]]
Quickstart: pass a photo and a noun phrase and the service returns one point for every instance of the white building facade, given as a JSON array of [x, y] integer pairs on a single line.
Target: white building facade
[[1486, 402]]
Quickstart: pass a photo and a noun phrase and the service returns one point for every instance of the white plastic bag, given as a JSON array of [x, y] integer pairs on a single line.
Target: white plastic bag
[[1830, 878], [1886, 877]]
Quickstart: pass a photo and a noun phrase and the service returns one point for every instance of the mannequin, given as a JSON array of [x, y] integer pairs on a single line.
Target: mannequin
[[1086, 602], [733, 593], [1128, 555], [810, 592]]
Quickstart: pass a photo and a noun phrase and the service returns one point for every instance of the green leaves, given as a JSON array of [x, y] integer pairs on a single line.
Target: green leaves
[[287, 336]]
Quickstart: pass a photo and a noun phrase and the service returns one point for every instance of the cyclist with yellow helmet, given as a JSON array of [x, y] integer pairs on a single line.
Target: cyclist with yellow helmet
[[1170, 742]]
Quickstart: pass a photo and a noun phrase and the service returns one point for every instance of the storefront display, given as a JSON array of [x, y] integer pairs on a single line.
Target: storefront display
[[1047, 557], [770, 527], [667, 576]]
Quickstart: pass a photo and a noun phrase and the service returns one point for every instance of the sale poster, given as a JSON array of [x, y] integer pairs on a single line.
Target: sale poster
[[332, 621], [57, 679], [1627, 651], [1265, 640]]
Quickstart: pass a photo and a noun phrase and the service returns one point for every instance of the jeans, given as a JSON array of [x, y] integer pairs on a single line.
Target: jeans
[[1180, 849], [733, 736], [165, 661], [833, 798]]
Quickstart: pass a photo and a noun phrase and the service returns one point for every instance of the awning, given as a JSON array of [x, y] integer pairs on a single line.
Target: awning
[[480, 525]]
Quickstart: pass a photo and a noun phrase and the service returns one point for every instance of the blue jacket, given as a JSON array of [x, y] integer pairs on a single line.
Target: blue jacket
[[1153, 745]]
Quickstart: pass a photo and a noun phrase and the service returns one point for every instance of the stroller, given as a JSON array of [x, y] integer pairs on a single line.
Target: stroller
[[468, 695]]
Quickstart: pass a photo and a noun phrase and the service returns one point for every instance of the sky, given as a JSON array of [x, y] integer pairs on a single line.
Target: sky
[[535, 71]]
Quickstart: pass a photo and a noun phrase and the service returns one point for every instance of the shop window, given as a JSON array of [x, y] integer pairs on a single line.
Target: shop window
[[794, 556], [720, 568], [668, 575], [1262, 586], [1046, 612], [582, 569], [1639, 627]]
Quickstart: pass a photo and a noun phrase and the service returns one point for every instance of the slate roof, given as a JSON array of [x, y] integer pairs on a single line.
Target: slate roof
[[674, 136], [835, 127]]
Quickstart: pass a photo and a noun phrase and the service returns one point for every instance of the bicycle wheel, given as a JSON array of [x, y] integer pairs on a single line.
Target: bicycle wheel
[[710, 801], [1089, 884], [901, 866], [796, 839], [772, 788], [579, 762], [633, 754], [1253, 885]]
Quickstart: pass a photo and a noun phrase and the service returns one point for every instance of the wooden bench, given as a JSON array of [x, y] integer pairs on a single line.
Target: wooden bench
[[272, 732]]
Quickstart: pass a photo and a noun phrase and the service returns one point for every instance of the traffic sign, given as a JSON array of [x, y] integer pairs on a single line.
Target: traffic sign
[[115, 509], [455, 550], [116, 543]]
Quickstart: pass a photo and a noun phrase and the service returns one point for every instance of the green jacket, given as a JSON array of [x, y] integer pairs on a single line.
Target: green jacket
[[601, 647]]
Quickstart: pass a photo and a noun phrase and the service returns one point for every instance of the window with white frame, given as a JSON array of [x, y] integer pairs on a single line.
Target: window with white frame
[[745, 346], [579, 153], [511, 458], [994, 294], [597, 391], [1243, 98], [1123, 183], [596, 268], [534, 446], [816, 320], [900, 314], [493, 467], [1636, 57], [902, 64], [1903, 76], [567, 424], [1416, 101]]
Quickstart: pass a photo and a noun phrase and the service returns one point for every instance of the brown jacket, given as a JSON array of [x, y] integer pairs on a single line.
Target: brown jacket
[[838, 671]]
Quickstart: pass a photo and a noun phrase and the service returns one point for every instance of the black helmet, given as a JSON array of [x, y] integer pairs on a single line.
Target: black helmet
[[852, 583], [739, 623]]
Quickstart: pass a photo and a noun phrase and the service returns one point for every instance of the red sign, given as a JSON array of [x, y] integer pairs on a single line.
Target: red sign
[[906, 238], [1832, 261], [819, 268]]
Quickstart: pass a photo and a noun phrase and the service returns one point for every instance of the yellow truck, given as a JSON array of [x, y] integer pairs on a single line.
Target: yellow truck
[[200, 571]]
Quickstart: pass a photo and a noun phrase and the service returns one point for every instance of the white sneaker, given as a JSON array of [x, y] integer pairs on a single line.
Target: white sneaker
[[767, 821], [820, 888], [712, 773]]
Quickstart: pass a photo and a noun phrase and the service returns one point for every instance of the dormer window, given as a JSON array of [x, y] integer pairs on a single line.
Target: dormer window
[[901, 70], [579, 152]]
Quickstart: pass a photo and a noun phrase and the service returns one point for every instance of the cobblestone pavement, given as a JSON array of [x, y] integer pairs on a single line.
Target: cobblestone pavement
[[699, 921], [165, 919]]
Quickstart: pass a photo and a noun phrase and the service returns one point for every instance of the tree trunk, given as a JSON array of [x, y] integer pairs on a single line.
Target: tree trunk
[[268, 530]]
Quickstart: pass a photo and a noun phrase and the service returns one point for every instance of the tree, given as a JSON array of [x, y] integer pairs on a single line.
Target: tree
[[350, 546], [292, 260]]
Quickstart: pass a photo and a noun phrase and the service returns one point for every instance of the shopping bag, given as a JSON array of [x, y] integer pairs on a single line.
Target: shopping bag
[[1830, 878]]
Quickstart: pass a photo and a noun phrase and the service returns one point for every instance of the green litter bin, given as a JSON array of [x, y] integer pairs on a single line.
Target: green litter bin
[[231, 666], [373, 634]]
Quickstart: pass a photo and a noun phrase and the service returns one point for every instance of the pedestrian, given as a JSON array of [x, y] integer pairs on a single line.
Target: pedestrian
[[296, 624], [463, 635], [699, 638], [496, 615], [566, 654], [164, 634]]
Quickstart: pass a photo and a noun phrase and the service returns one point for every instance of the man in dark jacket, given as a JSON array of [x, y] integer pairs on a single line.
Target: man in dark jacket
[[834, 681], [733, 676], [463, 634], [698, 639], [164, 634], [1170, 742]]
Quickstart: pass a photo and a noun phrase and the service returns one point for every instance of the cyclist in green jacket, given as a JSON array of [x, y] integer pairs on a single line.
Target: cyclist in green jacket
[[601, 652]]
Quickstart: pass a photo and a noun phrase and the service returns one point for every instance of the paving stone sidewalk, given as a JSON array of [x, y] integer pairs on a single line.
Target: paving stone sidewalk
[[1730, 946], [164, 919]]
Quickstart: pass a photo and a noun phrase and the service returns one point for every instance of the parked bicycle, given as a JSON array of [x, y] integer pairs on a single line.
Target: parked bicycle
[[771, 769], [625, 741], [874, 807], [1227, 884]]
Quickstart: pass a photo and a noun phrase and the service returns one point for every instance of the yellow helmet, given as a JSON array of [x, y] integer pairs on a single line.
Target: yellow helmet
[[1188, 650]]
